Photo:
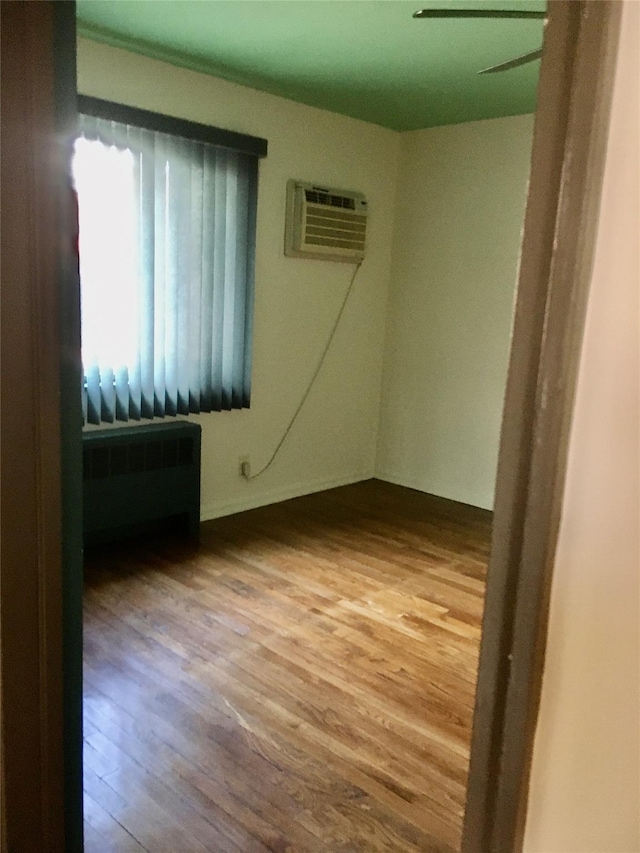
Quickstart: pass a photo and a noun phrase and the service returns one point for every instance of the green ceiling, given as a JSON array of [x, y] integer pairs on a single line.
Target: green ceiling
[[365, 58]]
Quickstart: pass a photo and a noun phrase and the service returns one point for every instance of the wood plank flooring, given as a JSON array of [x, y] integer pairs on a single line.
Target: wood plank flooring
[[302, 681]]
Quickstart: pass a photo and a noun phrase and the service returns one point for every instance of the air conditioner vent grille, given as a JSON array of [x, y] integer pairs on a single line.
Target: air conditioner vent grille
[[326, 224], [326, 198], [332, 242]]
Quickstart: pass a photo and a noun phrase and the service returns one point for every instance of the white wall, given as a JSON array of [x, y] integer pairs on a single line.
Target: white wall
[[460, 208], [585, 786], [447, 316], [334, 440]]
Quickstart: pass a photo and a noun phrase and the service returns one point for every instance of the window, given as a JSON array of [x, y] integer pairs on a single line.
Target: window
[[167, 214]]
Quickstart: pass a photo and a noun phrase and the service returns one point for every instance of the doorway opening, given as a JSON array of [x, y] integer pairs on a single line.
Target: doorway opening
[[305, 676]]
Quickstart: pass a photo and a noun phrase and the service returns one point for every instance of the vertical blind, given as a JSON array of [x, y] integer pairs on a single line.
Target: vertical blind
[[167, 238]]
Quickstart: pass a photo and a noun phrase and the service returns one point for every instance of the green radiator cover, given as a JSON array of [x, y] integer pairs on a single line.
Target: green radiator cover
[[137, 477]]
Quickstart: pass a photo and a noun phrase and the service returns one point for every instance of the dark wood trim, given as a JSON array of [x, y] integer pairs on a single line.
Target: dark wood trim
[[37, 248], [162, 123], [31, 601], [566, 177], [70, 422]]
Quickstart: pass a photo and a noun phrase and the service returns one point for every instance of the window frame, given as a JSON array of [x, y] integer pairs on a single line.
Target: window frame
[[245, 145], [162, 123]]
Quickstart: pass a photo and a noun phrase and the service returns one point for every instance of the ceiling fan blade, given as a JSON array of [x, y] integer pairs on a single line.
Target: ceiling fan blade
[[513, 63], [517, 14]]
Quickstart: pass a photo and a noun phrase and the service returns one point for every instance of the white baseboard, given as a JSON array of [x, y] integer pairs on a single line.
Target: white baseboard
[[285, 493], [402, 480], [419, 486]]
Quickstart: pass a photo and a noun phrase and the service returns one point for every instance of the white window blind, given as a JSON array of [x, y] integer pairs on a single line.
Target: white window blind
[[167, 238]]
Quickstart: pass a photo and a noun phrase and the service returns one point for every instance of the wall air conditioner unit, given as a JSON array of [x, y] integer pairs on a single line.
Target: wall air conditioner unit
[[324, 223]]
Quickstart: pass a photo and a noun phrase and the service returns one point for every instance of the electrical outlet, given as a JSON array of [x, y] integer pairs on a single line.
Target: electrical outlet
[[244, 467]]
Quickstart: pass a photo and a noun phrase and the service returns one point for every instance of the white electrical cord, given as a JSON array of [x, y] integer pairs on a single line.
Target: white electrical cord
[[250, 477]]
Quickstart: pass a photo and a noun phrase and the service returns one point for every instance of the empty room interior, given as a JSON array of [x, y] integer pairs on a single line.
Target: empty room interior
[[296, 348]]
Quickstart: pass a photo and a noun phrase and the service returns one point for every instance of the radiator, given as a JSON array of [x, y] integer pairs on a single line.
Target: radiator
[[139, 478]]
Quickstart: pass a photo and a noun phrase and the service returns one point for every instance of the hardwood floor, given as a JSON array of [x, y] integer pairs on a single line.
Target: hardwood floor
[[302, 681]]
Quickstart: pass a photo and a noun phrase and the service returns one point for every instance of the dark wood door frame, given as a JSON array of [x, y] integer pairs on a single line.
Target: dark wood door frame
[[41, 422], [569, 147], [31, 594], [40, 449]]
